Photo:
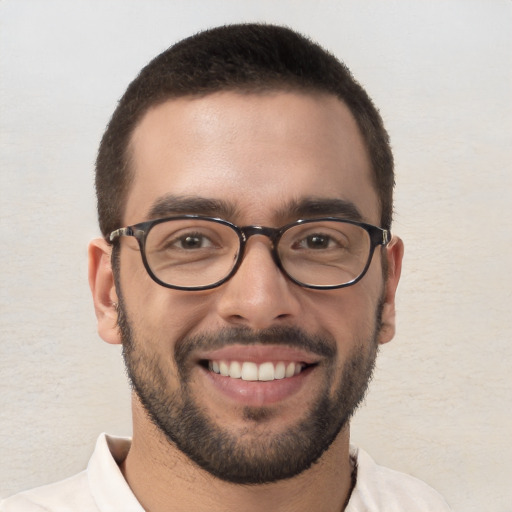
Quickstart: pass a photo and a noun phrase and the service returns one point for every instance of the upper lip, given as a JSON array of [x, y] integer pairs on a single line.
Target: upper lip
[[259, 354]]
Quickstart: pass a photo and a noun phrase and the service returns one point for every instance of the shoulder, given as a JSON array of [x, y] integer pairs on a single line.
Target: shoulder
[[64, 496], [101, 485], [385, 490]]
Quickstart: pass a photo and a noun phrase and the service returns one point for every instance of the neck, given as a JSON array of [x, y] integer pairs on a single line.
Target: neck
[[163, 478]]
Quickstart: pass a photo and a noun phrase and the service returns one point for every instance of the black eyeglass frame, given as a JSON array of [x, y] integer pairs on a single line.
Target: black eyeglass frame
[[378, 236]]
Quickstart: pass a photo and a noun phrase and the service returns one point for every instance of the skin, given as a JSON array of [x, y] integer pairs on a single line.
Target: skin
[[257, 153]]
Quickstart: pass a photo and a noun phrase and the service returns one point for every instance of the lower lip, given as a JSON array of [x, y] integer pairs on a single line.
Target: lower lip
[[258, 393]]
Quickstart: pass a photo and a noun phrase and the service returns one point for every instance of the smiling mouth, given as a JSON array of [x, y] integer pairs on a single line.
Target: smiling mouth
[[250, 371]]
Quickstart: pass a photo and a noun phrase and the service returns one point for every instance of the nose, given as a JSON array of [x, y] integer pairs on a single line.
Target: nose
[[258, 295]]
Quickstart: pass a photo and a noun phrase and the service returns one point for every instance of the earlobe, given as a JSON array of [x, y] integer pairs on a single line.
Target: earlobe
[[101, 282], [394, 253]]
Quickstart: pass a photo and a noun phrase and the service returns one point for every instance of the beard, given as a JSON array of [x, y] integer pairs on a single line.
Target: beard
[[247, 457]]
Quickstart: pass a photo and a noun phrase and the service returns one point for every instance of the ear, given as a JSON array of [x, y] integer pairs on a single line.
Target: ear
[[394, 253], [101, 282]]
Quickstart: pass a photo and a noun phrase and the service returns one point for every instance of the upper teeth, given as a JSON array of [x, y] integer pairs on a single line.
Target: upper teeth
[[252, 371]]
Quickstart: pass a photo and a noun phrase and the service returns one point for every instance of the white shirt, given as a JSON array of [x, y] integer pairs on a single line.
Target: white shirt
[[102, 488]]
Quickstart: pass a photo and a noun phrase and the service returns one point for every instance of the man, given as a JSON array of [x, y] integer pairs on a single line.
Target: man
[[245, 198]]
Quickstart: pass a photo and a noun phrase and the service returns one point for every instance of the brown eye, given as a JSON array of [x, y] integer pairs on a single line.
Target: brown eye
[[317, 242], [193, 241]]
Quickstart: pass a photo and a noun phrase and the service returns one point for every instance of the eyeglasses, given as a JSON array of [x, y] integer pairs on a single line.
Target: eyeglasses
[[191, 252]]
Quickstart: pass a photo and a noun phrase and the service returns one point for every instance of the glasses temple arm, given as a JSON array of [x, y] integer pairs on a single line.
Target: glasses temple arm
[[120, 232]]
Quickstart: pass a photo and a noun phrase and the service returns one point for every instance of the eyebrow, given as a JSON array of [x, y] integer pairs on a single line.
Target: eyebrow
[[321, 207], [179, 205], [295, 209]]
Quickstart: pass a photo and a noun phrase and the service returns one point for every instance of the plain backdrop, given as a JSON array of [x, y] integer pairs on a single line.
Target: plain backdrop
[[441, 74]]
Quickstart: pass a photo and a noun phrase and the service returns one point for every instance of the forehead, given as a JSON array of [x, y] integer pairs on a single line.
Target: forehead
[[253, 152]]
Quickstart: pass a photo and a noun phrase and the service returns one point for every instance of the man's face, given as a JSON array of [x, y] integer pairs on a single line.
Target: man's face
[[249, 158]]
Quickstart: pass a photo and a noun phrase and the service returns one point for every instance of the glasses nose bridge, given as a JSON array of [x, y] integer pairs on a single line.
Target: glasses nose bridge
[[271, 233]]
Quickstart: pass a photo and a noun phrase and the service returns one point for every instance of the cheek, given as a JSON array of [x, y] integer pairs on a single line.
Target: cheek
[[349, 314], [160, 315]]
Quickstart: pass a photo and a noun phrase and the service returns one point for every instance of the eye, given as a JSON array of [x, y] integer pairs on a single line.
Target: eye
[[191, 241], [318, 241]]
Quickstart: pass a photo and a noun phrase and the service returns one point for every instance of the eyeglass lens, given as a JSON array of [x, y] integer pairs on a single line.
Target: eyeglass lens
[[197, 252]]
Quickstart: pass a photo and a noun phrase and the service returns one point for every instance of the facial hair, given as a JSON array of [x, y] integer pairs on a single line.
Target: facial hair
[[244, 458]]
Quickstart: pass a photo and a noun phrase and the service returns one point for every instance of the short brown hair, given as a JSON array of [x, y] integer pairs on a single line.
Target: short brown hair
[[249, 58]]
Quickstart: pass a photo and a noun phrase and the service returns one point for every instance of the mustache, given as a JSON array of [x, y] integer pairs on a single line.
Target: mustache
[[294, 337]]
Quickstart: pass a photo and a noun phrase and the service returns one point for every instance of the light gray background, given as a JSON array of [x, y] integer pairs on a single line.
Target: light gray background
[[440, 71]]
